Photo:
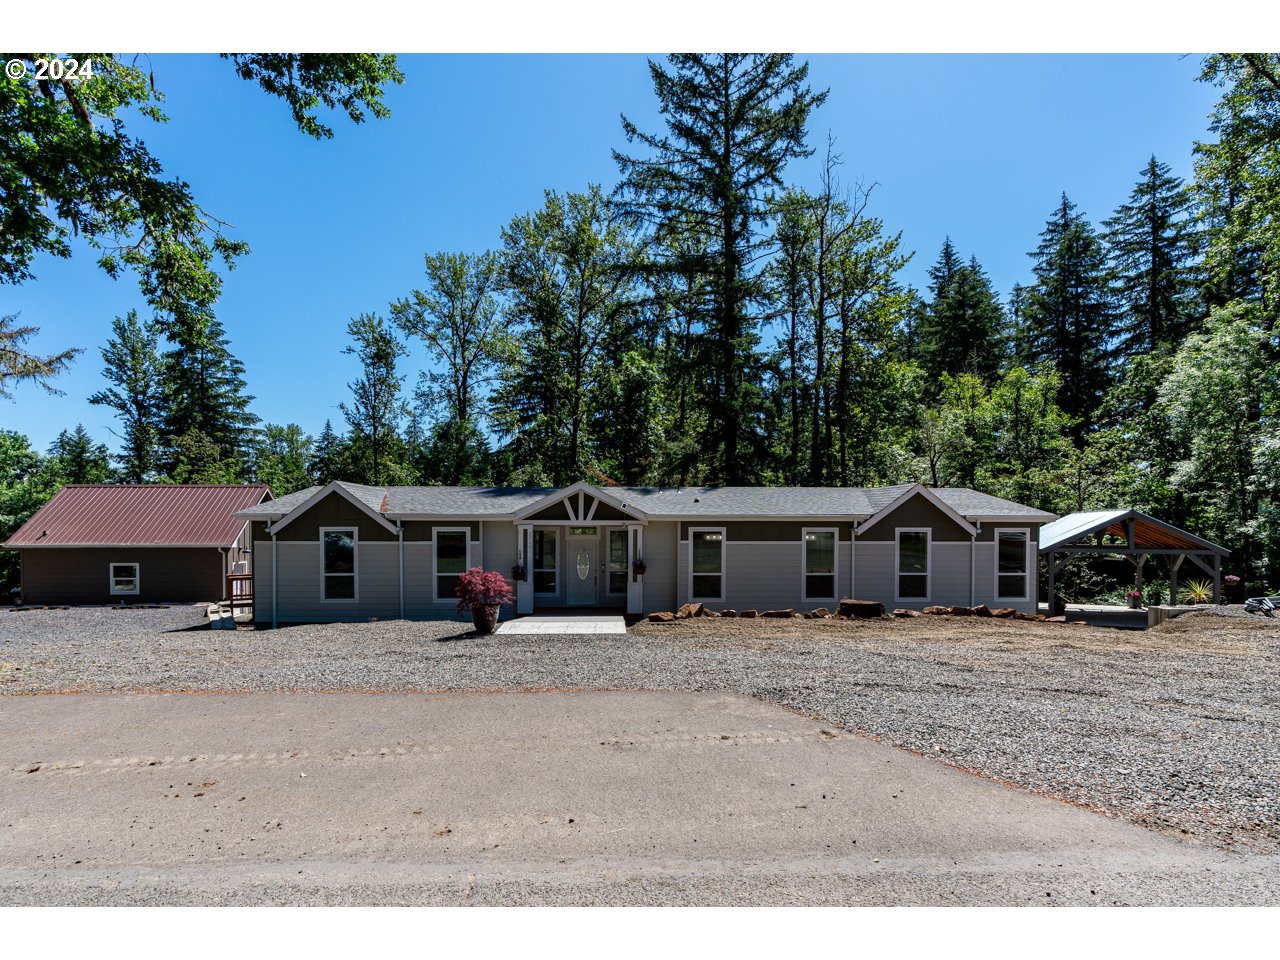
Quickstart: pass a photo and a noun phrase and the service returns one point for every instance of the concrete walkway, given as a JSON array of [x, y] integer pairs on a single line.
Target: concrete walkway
[[565, 624], [1101, 615]]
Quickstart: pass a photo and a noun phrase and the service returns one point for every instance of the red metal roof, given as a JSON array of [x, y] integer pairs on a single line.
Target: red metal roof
[[140, 514]]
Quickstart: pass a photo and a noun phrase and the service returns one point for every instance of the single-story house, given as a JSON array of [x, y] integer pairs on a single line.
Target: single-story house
[[351, 552], [135, 543]]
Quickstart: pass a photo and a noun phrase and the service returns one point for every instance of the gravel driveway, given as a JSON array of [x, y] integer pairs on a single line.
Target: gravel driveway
[[1176, 728]]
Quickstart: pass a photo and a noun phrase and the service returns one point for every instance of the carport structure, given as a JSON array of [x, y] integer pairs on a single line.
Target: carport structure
[[1130, 534]]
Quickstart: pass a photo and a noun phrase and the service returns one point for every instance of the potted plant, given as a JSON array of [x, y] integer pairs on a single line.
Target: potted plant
[[638, 566], [1200, 591], [1135, 599], [1231, 585], [483, 592]]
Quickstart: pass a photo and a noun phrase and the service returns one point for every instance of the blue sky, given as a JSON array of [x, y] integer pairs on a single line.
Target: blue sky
[[978, 147]]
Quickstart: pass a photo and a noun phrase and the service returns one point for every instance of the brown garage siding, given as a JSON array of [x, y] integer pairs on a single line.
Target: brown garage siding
[[80, 575]]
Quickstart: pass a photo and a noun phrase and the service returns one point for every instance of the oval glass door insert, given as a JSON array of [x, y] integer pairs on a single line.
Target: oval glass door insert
[[584, 563]]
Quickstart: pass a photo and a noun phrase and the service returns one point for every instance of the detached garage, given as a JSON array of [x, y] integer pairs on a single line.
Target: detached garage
[[135, 543]]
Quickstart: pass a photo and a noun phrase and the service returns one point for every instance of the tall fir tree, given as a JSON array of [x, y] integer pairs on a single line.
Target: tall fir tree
[[1151, 247], [963, 329], [327, 456], [1069, 314], [281, 458], [734, 121], [204, 393], [76, 458], [132, 366]]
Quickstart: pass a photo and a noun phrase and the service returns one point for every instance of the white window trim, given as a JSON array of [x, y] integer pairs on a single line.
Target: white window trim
[[355, 565], [608, 559], [137, 578], [804, 562], [724, 563], [1026, 575], [555, 591], [435, 560], [897, 564]]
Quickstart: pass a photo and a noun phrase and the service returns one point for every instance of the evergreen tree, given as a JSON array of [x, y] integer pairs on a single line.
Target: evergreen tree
[[327, 456], [376, 409], [203, 386], [281, 458], [198, 459], [963, 329], [733, 123], [18, 364], [1069, 314], [1151, 245], [132, 364], [77, 459]]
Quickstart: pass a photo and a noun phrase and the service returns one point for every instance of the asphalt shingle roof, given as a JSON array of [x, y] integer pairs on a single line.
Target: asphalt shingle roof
[[663, 501]]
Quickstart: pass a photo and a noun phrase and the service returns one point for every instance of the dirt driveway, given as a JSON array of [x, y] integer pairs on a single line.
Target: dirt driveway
[[590, 798]]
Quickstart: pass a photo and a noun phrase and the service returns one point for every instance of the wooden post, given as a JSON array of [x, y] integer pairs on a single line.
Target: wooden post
[[1052, 577], [1138, 564], [1217, 578], [1174, 564]]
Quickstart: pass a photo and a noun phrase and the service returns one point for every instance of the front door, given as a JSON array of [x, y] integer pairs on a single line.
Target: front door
[[583, 574]]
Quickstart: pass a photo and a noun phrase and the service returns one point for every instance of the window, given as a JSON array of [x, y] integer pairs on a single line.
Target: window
[[819, 564], [451, 559], [706, 564], [582, 531], [617, 561], [544, 560], [1011, 564], [913, 565], [124, 578], [338, 550]]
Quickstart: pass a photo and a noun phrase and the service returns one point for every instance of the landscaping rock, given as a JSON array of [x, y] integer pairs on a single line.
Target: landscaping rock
[[960, 611], [937, 611], [822, 612], [862, 609], [981, 610], [1057, 620], [728, 613], [709, 613], [748, 614], [689, 610], [663, 616], [903, 613], [779, 614], [1003, 612]]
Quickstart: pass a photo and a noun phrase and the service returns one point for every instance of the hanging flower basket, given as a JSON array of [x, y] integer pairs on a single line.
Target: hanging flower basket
[[519, 574], [638, 566]]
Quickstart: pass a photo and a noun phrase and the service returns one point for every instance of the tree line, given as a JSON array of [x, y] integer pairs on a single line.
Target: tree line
[[704, 320]]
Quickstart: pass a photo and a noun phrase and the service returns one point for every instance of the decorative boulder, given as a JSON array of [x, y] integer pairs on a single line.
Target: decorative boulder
[[821, 612], [728, 613], [689, 610], [665, 616], [748, 615], [861, 609], [1056, 620], [960, 611], [709, 613], [1003, 612], [937, 611], [981, 610], [903, 613], [779, 614]]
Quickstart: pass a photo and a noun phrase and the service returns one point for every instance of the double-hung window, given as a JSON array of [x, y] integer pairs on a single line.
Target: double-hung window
[[706, 563], [124, 579], [913, 550], [544, 559], [819, 564], [451, 559], [338, 563], [1012, 567]]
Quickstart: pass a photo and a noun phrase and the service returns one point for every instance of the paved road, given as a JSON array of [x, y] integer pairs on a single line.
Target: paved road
[[624, 797]]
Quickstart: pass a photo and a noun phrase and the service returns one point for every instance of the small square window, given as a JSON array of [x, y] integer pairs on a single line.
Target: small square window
[[124, 579]]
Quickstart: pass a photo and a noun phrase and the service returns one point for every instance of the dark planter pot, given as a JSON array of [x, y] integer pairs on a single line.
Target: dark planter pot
[[484, 618], [1135, 603]]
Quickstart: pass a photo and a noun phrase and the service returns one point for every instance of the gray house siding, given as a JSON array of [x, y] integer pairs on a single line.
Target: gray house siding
[[660, 557], [298, 594]]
